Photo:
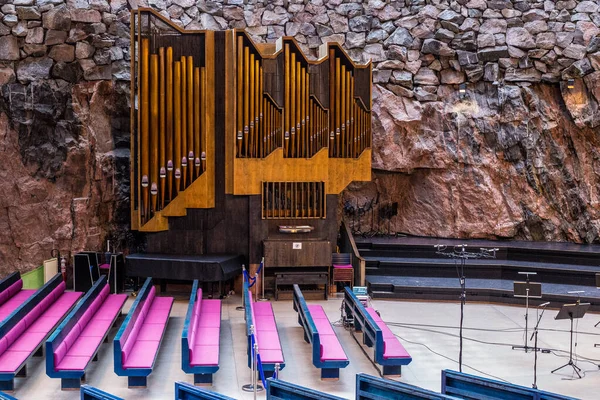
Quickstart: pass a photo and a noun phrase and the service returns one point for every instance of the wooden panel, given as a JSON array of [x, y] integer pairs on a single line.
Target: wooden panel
[[281, 253]]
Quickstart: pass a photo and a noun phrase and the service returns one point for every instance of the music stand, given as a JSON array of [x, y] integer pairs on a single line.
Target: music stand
[[527, 290], [571, 312]]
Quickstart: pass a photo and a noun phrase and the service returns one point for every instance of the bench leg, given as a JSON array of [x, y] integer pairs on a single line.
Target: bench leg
[[70, 383], [330, 374], [83, 378], [367, 341], [106, 339], [392, 370], [136, 381], [39, 352], [95, 357], [22, 372], [7, 386], [203, 379]]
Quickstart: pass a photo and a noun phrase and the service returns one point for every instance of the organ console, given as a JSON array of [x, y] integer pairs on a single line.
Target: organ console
[[259, 135]]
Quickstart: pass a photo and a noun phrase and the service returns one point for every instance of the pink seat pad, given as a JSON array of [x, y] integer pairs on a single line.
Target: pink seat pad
[[11, 360], [162, 303], [63, 304], [343, 266], [43, 325], [204, 355], [317, 312], [111, 306], [374, 315], [207, 336], [104, 266], [394, 349], [265, 325], [151, 332], [73, 363], [271, 356], [331, 349], [262, 309], [85, 346], [209, 319], [96, 328], [211, 306], [14, 302], [28, 341], [142, 354], [268, 340]]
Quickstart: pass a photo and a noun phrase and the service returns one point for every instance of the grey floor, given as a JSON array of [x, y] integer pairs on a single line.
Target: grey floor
[[428, 330]]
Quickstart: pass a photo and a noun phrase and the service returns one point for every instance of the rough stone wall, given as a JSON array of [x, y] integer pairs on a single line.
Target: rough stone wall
[[516, 156]]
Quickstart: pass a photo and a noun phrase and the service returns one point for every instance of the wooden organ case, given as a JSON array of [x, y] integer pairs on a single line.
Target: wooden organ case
[[243, 147]]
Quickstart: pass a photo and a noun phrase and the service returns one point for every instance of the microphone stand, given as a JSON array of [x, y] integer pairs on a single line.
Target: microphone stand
[[535, 348]]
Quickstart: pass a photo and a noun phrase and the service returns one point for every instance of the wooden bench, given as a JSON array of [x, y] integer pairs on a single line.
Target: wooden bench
[[281, 390], [12, 294], [138, 340], [260, 315], [327, 352], [92, 393], [78, 338], [23, 332], [465, 386], [200, 337], [388, 351], [373, 388], [185, 391]]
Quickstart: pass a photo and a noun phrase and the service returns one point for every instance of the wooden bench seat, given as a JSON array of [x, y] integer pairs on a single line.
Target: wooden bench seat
[[388, 351], [328, 353], [77, 340], [12, 294], [200, 338], [137, 343], [260, 316], [23, 333]]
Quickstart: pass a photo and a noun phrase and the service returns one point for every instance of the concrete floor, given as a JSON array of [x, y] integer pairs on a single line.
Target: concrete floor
[[430, 324]]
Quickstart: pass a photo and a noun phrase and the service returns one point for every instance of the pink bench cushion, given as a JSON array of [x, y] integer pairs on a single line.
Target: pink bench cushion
[[33, 336], [12, 303], [85, 343], [331, 349], [104, 266], [204, 349], [342, 266], [269, 347], [391, 345], [144, 348]]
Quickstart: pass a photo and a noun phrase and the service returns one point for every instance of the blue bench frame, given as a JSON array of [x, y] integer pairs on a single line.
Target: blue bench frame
[[72, 379], [372, 334], [370, 387], [4, 396], [270, 368], [465, 386], [185, 391], [7, 378], [136, 377], [329, 369], [281, 390], [202, 374], [92, 393]]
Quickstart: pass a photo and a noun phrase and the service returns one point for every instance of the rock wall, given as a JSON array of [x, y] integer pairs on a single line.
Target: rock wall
[[516, 155]]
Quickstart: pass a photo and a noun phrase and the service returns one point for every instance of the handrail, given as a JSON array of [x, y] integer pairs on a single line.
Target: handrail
[[348, 245]]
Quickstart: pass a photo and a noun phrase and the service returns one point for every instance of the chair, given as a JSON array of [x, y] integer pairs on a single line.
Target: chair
[[342, 268]]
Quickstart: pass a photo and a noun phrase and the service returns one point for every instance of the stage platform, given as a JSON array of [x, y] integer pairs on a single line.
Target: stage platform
[[409, 268], [205, 268]]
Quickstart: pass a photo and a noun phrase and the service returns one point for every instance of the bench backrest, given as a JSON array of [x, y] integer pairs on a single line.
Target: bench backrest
[[28, 312], [305, 319], [354, 307], [9, 286], [185, 391], [467, 386], [370, 387], [341, 258], [191, 321], [92, 393], [281, 390], [127, 334], [59, 343], [248, 308]]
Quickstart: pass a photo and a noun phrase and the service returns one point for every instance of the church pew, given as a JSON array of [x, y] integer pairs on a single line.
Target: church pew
[[389, 352], [138, 340], [281, 390], [200, 337], [77, 340], [327, 352], [185, 391], [465, 386], [92, 393], [260, 315], [12, 294], [373, 388], [23, 333]]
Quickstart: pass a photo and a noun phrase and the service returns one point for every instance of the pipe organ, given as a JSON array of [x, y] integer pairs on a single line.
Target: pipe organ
[[232, 139]]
